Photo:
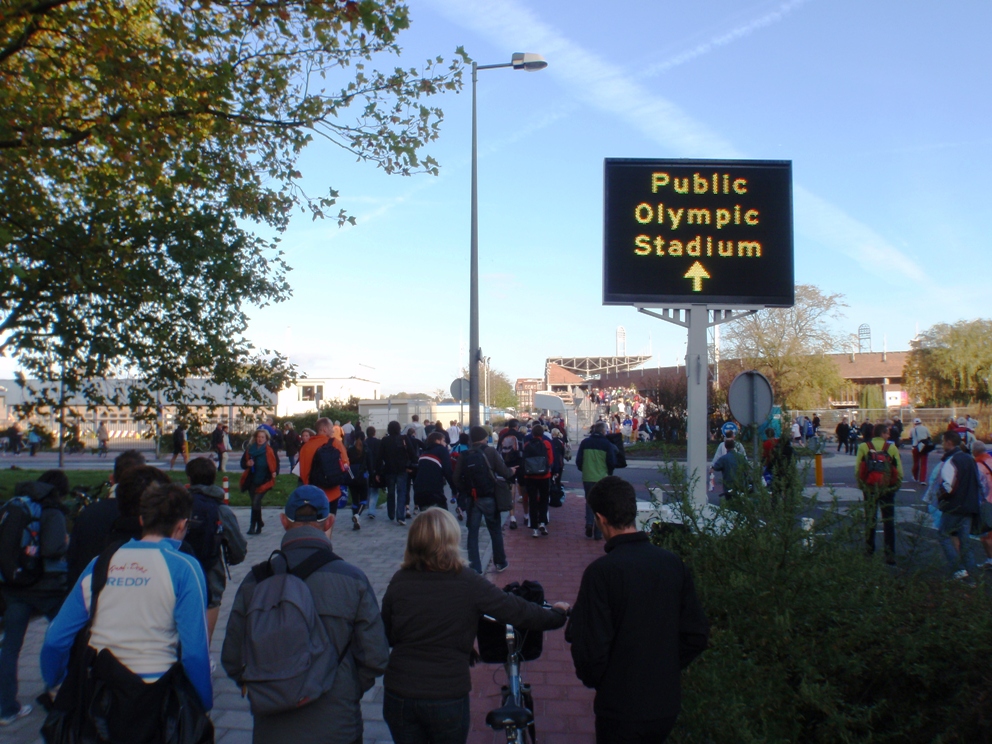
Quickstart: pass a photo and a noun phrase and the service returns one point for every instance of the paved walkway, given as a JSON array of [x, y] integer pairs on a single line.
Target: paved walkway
[[377, 549], [562, 705]]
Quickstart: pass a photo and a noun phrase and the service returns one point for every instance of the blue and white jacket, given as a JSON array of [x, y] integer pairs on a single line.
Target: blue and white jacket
[[153, 604]]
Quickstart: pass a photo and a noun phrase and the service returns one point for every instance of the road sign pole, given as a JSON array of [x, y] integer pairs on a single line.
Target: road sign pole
[[697, 371]]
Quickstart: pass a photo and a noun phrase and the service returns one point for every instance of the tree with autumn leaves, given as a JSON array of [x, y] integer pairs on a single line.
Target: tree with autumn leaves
[[143, 143]]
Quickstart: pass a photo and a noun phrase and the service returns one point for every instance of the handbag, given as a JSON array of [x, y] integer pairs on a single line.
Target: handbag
[[504, 496]]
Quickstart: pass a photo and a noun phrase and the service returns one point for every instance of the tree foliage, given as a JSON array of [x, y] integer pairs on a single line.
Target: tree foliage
[[140, 144], [789, 346], [951, 364], [502, 393]]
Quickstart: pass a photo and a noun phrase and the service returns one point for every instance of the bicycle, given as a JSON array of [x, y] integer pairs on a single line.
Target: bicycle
[[515, 715]]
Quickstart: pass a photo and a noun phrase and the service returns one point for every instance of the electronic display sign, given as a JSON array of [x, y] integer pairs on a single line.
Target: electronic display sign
[[683, 232]]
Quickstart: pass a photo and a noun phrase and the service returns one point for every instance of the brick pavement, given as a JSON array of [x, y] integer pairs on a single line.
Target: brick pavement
[[377, 549], [562, 705]]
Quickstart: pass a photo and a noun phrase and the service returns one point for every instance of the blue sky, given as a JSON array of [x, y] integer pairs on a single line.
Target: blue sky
[[883, 107]]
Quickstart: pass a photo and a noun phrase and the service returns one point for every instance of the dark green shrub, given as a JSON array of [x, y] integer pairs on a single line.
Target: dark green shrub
[[814, 642]]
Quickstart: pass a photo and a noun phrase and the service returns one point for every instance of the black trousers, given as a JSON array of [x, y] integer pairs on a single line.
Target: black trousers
[[538, 494], [885, 502], [614, 731]]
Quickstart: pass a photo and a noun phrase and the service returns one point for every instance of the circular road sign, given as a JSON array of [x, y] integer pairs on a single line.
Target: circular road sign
[[750, 398], [460, 389]]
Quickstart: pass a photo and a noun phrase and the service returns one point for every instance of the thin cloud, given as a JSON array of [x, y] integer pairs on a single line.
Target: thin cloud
[[604, 85], [729, 37]]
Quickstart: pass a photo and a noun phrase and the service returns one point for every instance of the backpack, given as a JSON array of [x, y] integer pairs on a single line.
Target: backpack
[[878, 468], [326, 470], [509, 448], [205, 532], [535, 458], [289, 659], [491, 634], [476, 479], [21, 564]]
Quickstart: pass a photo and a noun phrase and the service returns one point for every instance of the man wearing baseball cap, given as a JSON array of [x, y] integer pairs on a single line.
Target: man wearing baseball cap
[[346, 603]]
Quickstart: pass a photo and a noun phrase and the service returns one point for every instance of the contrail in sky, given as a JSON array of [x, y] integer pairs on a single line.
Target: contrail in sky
[[606, 86], [728, 38]]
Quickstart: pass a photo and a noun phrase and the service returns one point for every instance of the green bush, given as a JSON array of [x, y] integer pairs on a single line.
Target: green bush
[[814, 642]]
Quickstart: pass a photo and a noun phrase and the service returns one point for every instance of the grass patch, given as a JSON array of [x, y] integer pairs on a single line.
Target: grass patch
[[92, 480]]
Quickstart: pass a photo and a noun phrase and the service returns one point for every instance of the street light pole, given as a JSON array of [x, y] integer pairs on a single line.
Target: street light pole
[[520, 61]]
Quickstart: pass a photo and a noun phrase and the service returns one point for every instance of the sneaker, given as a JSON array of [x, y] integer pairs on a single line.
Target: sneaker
[[355, 522], [513, 523], [401, 522], [959, 575], [24, 711], [987, 565], [589, 531], [371, 516], [543, 528], [536, 534], [500, 567]]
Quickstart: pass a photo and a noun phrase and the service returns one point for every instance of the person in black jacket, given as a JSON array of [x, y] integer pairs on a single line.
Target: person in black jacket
[[358, 457], [433, 471], [110, 520], [45, 595], [373, 448], [394, 465], [636, 624]]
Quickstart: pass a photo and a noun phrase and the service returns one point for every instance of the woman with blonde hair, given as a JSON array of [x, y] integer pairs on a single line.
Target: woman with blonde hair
[[431, 612]]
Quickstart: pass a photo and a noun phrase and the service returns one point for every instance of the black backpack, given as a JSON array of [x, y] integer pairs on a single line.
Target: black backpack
[[326, 470], [477, 479], [205, 531], [21, 562], [536, 458], [491, 634]]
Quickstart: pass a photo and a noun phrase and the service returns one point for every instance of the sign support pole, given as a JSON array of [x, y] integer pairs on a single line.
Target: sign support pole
[[697, 369]]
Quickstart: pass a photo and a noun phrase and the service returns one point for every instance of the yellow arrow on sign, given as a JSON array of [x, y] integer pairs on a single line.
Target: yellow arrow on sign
[[697, 273]]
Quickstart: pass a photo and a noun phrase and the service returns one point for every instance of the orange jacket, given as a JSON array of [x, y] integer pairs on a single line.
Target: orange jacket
[[306, 460]]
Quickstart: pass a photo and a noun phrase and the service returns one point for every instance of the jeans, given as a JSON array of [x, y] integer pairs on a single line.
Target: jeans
[[538, 494], [16, 618], [374, 493], [951, 525], [617, 731], [484, 507], [590, 517], [413, 721], [397, 487]]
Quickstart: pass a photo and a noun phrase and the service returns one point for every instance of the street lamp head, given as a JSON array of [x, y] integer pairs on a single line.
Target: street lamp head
[[528, 61]]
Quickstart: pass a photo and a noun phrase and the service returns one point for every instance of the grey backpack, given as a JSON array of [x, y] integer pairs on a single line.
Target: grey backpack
[[289, 659]]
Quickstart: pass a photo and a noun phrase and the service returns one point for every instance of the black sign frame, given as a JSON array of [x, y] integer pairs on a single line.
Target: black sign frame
[[624, 280]]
